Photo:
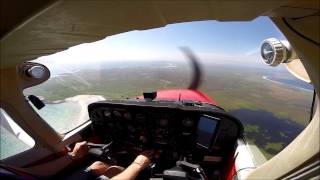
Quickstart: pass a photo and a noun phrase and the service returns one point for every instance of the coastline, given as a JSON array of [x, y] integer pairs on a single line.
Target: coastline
[[82, 100], [285, 84], [44, 100]]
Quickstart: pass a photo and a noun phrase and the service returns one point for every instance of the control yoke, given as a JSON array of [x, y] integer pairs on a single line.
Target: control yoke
[[180, 171], [101, 151]]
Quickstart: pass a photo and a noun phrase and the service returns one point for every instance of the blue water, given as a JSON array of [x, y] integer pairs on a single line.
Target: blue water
[[292, 82], [62, 116], [10, 145]]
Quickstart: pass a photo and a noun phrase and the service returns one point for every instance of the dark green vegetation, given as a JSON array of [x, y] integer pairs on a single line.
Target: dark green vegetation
[[270, 133], [273, 114]]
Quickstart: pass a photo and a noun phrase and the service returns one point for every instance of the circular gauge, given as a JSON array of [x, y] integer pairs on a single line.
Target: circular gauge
[[163, 122], [107, 113], [120, 126], [131, 128], [117, 114], [127, 116], [187, 122], [111, 125]]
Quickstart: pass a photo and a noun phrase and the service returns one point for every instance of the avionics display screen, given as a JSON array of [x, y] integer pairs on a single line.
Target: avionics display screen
[[206, 129]]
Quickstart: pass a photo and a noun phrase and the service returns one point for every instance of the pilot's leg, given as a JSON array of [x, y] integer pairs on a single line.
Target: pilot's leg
[[111, 172]]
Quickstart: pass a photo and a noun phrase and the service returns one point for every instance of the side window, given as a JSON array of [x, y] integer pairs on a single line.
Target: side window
[[13, 140]]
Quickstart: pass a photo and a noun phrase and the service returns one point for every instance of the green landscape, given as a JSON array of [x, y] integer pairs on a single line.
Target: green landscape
[[273, 114]]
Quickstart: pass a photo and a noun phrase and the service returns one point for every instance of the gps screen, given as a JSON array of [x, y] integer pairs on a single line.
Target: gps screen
[[206, 129]]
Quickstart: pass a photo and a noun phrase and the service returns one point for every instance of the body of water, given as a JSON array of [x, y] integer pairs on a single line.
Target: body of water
[[296, 83], [61, 116], [10, 144]]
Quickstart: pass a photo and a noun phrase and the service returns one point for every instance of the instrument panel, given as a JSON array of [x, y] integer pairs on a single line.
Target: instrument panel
[[172, 129]]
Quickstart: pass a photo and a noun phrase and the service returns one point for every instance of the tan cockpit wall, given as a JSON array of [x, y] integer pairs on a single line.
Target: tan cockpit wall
[[67, 23], [16, 105]]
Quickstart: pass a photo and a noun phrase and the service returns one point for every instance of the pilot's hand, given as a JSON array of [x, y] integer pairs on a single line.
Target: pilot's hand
[[79, 150], [99, 168], [143, 159]]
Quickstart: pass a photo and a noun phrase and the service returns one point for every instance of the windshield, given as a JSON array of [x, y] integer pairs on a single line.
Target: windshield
[[271, 103]]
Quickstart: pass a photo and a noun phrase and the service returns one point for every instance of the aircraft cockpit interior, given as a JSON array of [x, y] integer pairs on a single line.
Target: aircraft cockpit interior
[[188, 139]]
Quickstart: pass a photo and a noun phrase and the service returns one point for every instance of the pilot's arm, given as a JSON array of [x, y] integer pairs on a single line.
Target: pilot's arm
[[131, 172], [80, 150], [99, 168], [115, 172]]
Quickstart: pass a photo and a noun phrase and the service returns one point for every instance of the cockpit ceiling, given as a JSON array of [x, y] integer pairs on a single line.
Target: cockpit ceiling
[[63, 24]]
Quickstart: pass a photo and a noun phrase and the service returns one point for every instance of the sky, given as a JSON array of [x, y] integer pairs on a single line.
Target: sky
[[211, 41]]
